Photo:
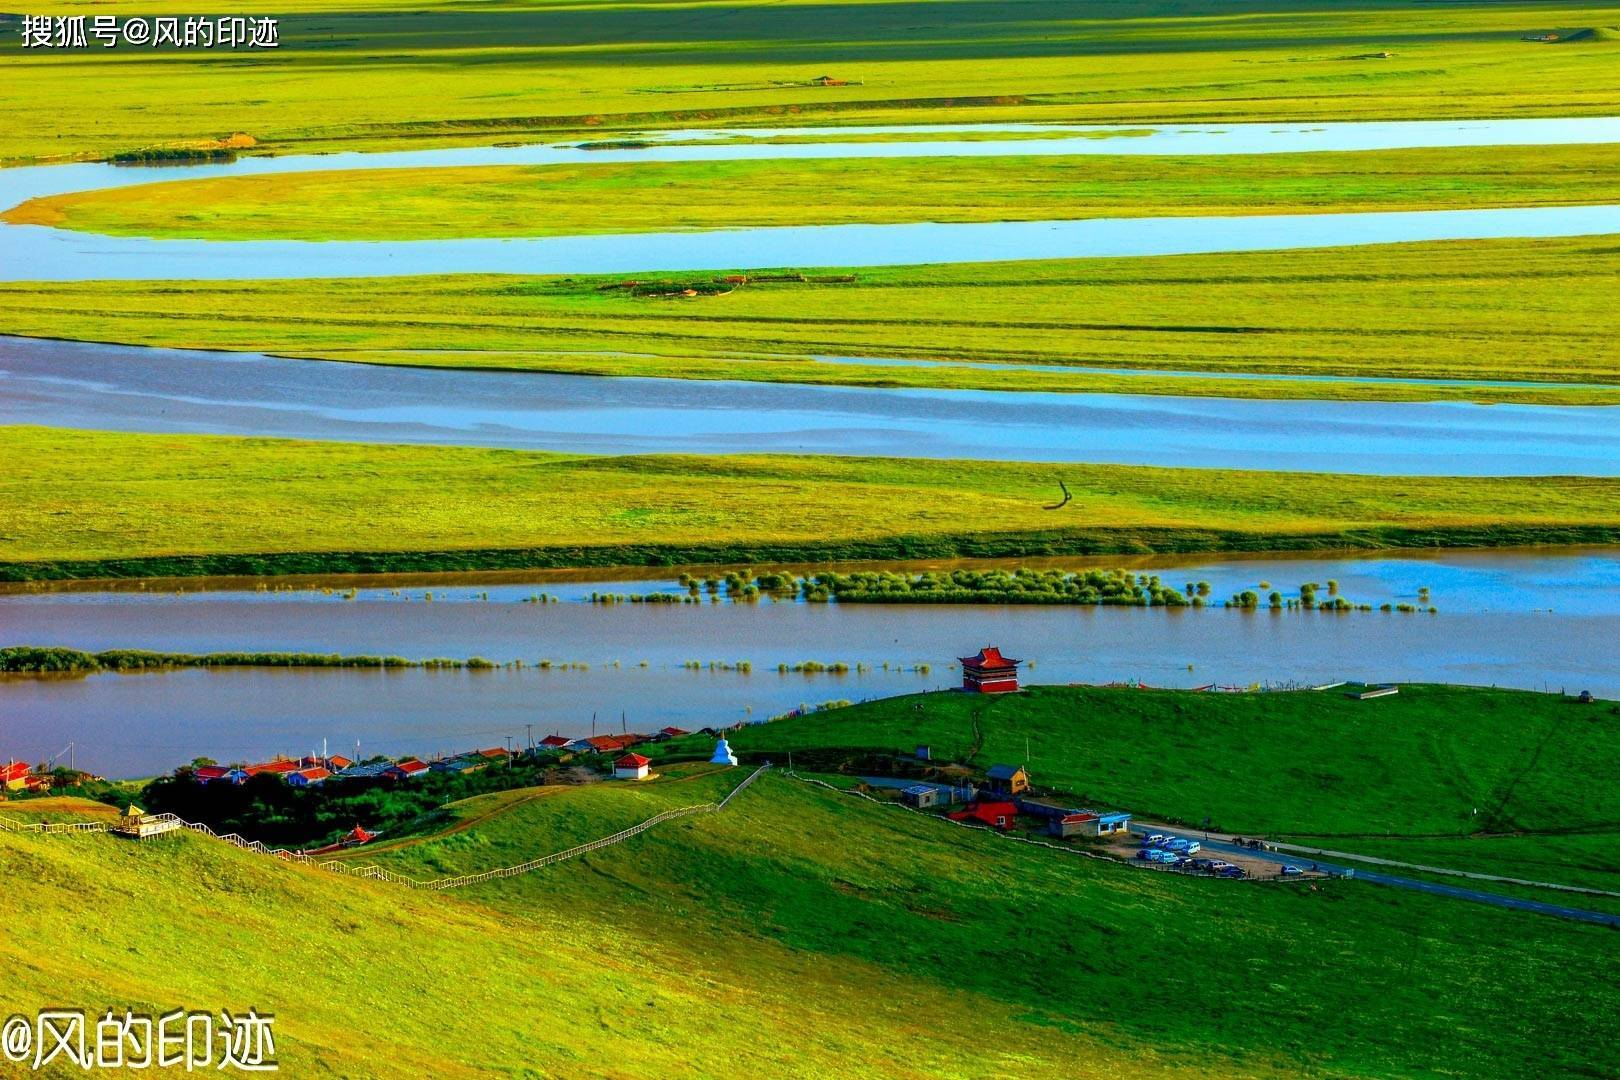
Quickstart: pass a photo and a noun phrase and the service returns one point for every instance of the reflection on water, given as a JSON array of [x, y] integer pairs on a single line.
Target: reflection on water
[[124, 388], [1494, 629]]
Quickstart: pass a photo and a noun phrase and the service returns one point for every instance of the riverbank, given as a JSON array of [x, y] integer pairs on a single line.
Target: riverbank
[[175, 506], [1396, 322], [656, 195], [761, 62]]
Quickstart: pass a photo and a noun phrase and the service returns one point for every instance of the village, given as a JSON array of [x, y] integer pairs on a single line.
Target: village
[[1003, 798]]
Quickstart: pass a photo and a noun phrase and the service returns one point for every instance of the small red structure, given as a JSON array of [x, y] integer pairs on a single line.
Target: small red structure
[[997, 815], [14, 775], [989, 672], [631, 767], [554, 742]]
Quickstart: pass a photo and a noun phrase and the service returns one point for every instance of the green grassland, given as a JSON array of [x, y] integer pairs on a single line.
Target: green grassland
[[145, 505], [369, 75], [551, 200], [371, 980], [1513, 310], [802, 932], [1497, 781]]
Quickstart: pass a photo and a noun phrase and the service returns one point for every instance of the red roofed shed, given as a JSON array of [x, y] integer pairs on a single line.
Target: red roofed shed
[[997, 815]]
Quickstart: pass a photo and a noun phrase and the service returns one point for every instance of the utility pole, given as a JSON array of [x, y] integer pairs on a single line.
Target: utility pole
[[509, 752], [529, 729]]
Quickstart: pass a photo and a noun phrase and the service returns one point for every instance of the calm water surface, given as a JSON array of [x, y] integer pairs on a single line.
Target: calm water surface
[[124, 388], [1495, 627]]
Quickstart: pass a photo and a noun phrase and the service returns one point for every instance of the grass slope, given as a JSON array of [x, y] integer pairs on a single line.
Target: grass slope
[[145, 505], [1511, 310], [370, 75], [411, 204], [802, 932], [931, 905], [1498, 781], [371, 980]]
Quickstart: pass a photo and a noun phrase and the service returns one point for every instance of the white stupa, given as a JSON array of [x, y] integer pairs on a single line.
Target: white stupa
[[723, 754]]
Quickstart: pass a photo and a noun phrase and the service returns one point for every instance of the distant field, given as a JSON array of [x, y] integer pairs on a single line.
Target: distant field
[[1505, 310], [412, 204], [145, 505], [370, 75]]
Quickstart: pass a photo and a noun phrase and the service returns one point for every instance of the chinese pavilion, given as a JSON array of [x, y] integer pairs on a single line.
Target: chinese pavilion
[[989, 672]]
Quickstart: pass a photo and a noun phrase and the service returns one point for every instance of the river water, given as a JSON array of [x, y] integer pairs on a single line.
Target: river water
[[38, 253], [121, 388], [1523, 618]]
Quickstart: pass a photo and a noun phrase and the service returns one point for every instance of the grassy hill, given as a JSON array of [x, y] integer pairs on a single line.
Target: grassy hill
[[1438, 764], [801, 932]]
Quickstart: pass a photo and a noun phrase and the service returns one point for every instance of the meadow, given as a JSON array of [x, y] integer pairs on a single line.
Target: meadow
[[560, 200], [162, 505], [369, 76], [1496, 781], [1509, 310], [747, 940]]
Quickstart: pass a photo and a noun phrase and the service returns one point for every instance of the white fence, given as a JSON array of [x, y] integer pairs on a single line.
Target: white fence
[[377, 873]]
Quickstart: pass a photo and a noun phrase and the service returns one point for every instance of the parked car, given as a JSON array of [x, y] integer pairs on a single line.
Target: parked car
[[1193, 847], [1153, 838], [1290, 870], [1234, 872], [1176, 844]]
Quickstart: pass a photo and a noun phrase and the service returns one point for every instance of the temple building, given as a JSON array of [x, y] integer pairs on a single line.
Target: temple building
[[989, 672]]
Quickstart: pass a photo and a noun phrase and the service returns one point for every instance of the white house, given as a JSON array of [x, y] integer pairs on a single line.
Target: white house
[[631, 767]]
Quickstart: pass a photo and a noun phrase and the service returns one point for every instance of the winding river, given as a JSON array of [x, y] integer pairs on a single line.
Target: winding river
[[122, 388], [1529, 619], [40, 253]]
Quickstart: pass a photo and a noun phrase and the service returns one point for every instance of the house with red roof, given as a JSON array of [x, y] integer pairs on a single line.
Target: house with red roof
[[495, 753], [631, 767], [988, 672], [338, 761], [405, 770], [606, 744], [997, 815], [670, 733], [218, 774], [315, 774], [14, 775], [279, 767], [554, 742]]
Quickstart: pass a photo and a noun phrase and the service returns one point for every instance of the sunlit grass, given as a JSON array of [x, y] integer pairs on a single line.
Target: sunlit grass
[[197, 504]]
